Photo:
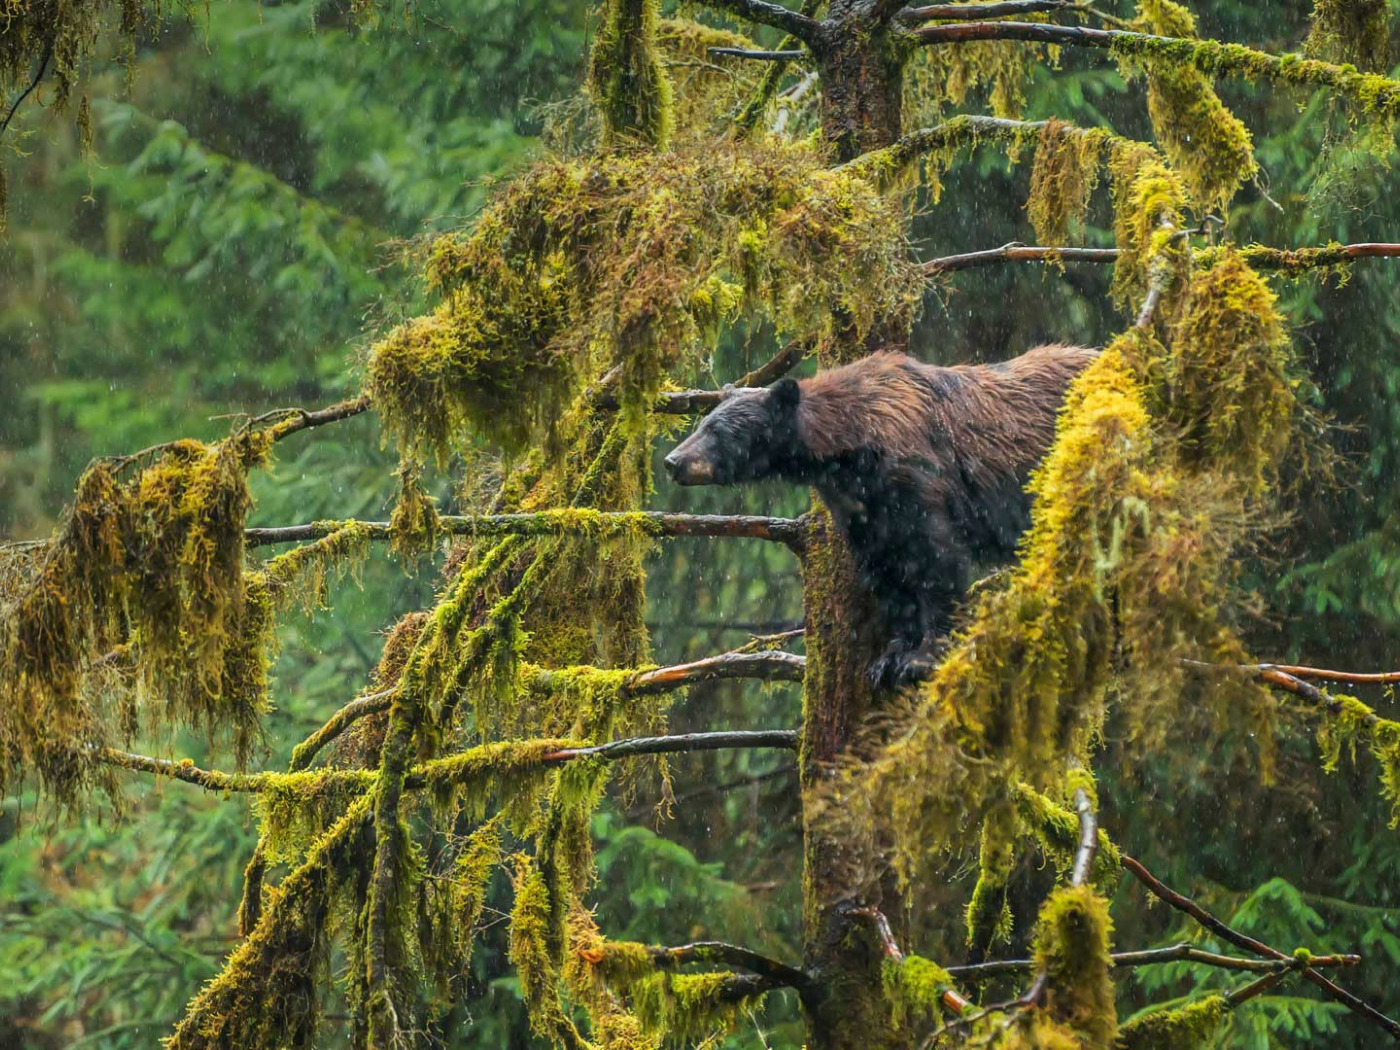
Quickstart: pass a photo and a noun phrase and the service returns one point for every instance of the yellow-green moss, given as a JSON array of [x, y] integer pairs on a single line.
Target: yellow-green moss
[[583, 265], [914, 987], [688, 1009], [1347, 722], [626, 78], [1186, 1028], [1056, 830], [1065, 173], [151, 564], [1351, 31], [1228, 390], [536, 966], [1205, 142], [414, 525], [988, 911], [1072, 946]]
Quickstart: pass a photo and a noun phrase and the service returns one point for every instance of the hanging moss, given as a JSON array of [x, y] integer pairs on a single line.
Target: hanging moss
[[914, 987], [1205, 142], [1351, 31], [1228, 387], [269, 993], [1148, 203], [535, 965], [151, 564], [533, 309], [414, 525], [1064, 176], [626, 77], [937, 79], [988, 912], [1349, 721], [1072, 947], [689, 1009], [1186, 1028]]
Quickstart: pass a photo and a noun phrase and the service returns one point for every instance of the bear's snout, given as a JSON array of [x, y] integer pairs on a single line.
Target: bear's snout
[[688, 468]]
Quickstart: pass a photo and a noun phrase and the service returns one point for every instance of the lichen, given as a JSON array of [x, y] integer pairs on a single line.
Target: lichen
[[1072, 946], [1185, 1028]]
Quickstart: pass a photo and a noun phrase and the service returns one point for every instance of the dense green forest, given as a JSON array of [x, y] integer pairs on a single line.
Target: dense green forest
[[234, 214]]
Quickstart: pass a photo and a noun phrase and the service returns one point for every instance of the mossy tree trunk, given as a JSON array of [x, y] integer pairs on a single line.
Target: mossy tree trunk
[[860, 59], [860, 65]]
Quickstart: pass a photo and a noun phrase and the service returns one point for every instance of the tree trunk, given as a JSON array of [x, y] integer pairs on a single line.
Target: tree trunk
[[860, 64]]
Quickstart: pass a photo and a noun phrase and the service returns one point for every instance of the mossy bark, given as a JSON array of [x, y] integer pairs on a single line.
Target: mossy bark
[[861, 67]]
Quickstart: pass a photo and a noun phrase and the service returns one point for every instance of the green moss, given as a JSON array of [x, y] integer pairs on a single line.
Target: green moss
[[269, 993], [1072, 947], [688, 1009], [626, 78], [534, 307], [1186, 1028], [1148, 203], [1064, 176], [414, 525], [1227, 388], [535, 965], [1355, 32], [1056, 829], [988, 911], [914, 987], [1346, 722], [150, 563], [1206, 143]]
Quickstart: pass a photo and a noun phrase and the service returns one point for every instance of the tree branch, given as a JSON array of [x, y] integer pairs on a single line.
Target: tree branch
[[1185, 904], [781, 974], [963, 130], [769, 14], [295, 420], [1183, 952], [600, 524], [685, 402], [756, 56], [1088, 838], [38, 76], [419, 776], [1377, 94], [973, 12], [1292, 260]]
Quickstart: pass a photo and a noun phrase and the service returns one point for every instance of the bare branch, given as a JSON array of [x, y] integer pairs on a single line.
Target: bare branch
[[360, 707], [973, 12], [601, 524], [38, 76], [1088, 838], [1321, 674], [756, 56], [298, 419], [1240, 940], [877, 918], [1017, 252], [685, 402], [781, 739], [769, 14]]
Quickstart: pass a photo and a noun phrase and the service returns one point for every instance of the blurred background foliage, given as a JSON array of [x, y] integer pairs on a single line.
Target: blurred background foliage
[[241, 230]]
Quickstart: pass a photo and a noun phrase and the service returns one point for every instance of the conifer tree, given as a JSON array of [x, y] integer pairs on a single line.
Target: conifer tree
[[715, 183]]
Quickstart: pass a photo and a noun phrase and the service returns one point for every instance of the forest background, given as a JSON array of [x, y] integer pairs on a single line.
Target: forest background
[[237, 234]]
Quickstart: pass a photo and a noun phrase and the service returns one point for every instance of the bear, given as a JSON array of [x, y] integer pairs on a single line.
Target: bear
[[924, 469]]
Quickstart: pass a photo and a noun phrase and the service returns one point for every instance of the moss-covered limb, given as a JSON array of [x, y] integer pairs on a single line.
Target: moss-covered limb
[[761, 12], [965, 131], [1376, 96], [1192, 1025], [972, 12], [1072, 952], [748, 116], [601, 525], [270, 989], [184, 770], [772, 665], [778, 739], [1227, 933], [1293, 262], [917, 989], [778, 973], [372, 703], [1058, 831], [1183, 952], [284, 422]]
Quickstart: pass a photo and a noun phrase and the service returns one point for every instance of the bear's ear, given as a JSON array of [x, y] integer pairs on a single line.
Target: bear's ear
[[786, 393]]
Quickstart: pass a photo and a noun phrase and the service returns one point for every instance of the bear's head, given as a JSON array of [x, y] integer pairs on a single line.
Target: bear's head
[[751, 435]]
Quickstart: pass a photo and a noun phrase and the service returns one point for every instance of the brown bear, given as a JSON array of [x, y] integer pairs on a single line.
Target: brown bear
[[924, 469]]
